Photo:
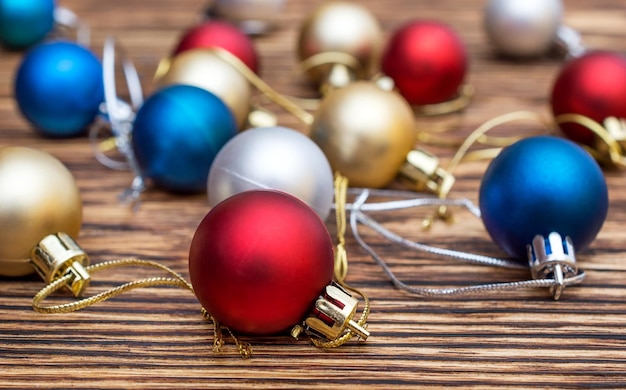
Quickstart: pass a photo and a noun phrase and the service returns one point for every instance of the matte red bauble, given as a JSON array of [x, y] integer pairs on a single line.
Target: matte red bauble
[[593, 85], [215, 33], [259, 260], [427, 62]]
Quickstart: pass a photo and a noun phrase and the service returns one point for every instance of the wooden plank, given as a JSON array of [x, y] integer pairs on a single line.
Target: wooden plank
[[156, 338]]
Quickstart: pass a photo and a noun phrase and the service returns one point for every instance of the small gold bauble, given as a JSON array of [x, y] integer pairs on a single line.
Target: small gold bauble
[[204, 69], [38, 197], [365, 132], [341, 28]]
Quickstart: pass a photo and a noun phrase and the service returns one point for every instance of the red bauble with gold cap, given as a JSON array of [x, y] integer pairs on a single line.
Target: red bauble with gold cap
[[593, 85], [427, 61], [259, 260], [216, 33]]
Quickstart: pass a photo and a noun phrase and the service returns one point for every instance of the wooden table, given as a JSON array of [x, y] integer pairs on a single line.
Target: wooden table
[[156, 338]]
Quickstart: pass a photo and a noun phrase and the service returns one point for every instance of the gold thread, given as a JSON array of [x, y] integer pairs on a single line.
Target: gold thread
[[330, 58], [614, 149], [176, 280], [463, 154], [458, 103], [341, 257], [262, 86], [341, 190], [476, 135], [245, 349]]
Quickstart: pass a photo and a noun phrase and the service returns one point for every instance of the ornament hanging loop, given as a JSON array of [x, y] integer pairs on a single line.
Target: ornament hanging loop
[[457, 103], [63, 263], [331, 321], [554, 270], [569, 42], [610, 137], [422, 171], [119, 116], [67, 19]]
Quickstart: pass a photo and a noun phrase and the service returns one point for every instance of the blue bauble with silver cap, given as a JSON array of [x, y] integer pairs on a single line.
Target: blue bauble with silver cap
[[538, 186], [59, 87], [24, 23], [177, 133]]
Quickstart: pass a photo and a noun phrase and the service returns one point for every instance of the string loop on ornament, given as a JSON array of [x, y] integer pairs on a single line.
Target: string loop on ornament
[[340, 273], [456, 104], [118, 116], [66, 18], [357, 216], [569, 42], [607, 134], [175, 280], [245, 349], [464, 153], [330, 58]]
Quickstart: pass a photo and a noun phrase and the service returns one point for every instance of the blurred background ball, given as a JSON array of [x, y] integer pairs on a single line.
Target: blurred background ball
[[24, 23], [365, 132], [252, 16], [59, 88], [204, 69], [427, 62], [177, 134], [259, 260], [276, 158], [38, 197], [593, 85], [541, 185], [522, 28], [341, 27], [215, 33]]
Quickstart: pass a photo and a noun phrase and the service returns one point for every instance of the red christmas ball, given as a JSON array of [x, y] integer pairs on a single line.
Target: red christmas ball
[[427, 61], [593, 85], [259, 260], [215, 33]]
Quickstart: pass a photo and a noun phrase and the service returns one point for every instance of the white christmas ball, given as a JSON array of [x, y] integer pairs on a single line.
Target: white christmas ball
[[523, 28], [275, 158]]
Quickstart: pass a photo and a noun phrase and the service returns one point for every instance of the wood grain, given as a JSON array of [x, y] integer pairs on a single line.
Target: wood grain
[[156, 338]]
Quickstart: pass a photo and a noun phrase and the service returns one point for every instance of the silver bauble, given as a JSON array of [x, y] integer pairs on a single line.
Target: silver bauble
[[523, 28], [275, 158]]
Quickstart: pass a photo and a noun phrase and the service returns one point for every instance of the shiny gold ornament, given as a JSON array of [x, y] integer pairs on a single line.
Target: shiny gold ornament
[[365, 132], [203, 69], [340, 40], [38, 197]]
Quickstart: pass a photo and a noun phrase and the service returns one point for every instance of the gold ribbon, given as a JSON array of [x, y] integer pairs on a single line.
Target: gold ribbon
[[341, 263]]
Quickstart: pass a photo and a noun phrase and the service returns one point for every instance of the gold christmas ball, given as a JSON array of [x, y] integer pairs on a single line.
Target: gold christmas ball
[[38, 197], [203, 69], [341, 27], [365, 132]]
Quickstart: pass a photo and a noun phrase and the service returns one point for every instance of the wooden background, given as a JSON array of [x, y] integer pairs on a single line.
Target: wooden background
[[156, 338]]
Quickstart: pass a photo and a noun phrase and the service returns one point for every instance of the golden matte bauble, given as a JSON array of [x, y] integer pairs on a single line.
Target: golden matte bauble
[[341, 27], [365, 132], [203, 69], [38, 197]]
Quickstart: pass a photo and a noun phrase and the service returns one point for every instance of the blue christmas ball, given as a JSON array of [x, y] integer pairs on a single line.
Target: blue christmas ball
[[176, 135], [541, 185], [25, 22], [59, 87]]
